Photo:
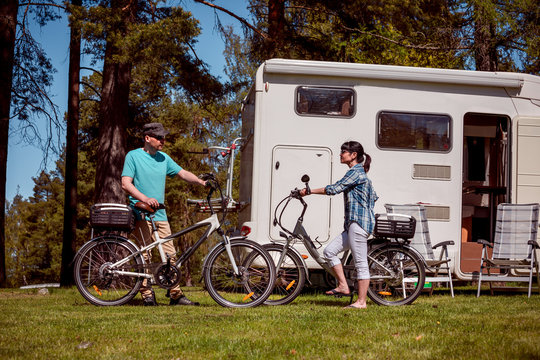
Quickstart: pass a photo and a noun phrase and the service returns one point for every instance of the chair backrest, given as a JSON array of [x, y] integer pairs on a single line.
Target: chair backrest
[[421, 240], [516, 224]]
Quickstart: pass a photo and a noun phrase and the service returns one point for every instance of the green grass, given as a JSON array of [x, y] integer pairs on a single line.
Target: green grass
[[63, 325]]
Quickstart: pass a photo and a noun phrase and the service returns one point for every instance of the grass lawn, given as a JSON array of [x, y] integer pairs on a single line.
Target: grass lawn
[[62, 325]]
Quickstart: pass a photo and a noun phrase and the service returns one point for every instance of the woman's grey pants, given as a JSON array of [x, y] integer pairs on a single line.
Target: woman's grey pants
[[354, 239]]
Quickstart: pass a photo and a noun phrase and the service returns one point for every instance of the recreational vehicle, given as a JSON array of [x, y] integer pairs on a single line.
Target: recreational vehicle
[[457, 141]]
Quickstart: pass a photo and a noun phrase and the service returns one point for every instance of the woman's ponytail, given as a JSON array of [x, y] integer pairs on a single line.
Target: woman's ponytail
[[367, 162]]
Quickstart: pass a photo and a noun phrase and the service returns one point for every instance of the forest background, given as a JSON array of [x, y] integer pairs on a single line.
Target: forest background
[[144, 67]]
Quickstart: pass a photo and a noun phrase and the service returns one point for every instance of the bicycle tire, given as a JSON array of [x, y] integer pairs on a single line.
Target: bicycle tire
[[397, 275], [290, 278], [92, 275], [248, 289]]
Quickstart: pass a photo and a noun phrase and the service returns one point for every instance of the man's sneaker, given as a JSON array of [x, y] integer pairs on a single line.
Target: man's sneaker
[[182, 300], [150, 300]]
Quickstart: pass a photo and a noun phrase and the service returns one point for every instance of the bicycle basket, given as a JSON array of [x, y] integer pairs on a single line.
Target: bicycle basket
[[398, 226], [112, 217]]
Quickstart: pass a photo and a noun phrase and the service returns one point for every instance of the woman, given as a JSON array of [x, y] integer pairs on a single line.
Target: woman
[[360, 198]]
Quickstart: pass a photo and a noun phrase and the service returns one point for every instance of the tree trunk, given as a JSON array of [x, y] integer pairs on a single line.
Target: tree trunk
[[276, 27], [485, 51], [72, 148], [8, 26], [113, 119]]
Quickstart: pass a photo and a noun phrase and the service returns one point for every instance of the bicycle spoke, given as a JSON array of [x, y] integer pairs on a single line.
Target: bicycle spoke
[[250, 286], [98, 282], [397, 276]]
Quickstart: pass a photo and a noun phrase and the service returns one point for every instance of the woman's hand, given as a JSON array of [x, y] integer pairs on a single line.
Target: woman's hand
[[303, 192]]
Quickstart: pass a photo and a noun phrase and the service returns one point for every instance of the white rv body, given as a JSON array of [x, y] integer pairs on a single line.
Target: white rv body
[[489, 148]]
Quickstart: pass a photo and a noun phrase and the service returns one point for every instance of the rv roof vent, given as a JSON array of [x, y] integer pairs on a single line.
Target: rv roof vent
[[431, 172]]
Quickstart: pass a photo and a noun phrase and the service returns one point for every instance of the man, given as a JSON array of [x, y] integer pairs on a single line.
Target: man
[[143, 178]]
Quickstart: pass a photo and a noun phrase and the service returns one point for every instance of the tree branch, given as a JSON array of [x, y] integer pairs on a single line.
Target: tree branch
[[399, 43], [94, 70], [91, 88], [241, 19], [43, 4]]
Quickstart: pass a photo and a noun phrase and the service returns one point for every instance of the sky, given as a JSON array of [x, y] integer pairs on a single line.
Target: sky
[[25, 161]]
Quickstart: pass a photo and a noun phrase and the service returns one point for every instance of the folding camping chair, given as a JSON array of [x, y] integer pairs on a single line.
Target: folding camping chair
[[437, 269], [513, 246]]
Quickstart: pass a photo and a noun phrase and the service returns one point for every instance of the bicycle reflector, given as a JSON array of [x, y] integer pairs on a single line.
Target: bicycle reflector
[[245, 231], [248, 296], [290, 285]]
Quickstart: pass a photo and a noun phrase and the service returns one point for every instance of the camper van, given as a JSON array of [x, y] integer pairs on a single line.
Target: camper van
[[459, 142]]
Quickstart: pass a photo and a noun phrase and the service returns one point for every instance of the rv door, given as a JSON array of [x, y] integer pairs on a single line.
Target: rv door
[[289, 163]]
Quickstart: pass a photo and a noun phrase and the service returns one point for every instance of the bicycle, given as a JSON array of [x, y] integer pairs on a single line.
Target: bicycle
[[397, 270], [109, 269]]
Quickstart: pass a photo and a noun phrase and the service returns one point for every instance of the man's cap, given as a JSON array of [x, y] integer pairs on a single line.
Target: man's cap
[[154, 129]]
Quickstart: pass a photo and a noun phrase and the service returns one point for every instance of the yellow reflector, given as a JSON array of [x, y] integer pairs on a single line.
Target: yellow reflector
[[248, 296], [304, 256], [386, 293], [97, 290], [290, 285]]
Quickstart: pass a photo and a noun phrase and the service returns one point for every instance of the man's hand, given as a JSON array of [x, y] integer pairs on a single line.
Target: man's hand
[[152, 202]]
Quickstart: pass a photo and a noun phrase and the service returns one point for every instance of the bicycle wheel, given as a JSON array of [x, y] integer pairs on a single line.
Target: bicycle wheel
[[251, 286], [397, 275], [290, 278], [94, 274]]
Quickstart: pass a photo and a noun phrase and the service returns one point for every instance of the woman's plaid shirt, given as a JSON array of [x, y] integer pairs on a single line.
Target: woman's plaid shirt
[[359, 197]]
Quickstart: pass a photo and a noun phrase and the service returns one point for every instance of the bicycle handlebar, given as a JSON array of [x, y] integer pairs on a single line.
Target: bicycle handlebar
[[294, 194]]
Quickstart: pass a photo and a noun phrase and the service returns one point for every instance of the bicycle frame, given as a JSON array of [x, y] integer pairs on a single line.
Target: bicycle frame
[[300, 233], [212, 223]]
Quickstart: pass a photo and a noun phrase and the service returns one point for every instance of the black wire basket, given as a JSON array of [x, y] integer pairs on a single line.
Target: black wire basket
[[112, 217], [394, 226]]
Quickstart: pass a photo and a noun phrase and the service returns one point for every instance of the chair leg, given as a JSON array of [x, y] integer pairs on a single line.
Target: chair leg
[[479, 281], [450, 282], [538, 277], [479, 284], [530, 281]]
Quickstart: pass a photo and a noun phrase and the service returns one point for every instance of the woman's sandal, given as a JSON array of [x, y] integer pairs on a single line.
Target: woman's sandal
[[337, 294]]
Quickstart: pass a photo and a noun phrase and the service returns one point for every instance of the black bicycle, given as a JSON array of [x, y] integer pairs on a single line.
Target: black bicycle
[[397, 271]]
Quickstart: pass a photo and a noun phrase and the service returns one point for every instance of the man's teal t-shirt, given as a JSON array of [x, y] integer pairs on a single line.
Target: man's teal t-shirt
[[149, 173]]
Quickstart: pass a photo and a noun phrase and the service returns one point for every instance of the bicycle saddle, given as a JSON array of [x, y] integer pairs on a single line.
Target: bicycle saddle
[[144, 207]]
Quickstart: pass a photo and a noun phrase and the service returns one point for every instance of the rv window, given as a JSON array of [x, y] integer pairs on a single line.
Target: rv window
[[325, 101], [413, 131]]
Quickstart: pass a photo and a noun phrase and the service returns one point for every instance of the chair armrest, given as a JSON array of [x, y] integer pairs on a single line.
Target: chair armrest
[[444, 243], [484, 242], [534, 244]]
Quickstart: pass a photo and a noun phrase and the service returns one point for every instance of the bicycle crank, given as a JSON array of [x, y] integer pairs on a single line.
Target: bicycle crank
[[167, 276]]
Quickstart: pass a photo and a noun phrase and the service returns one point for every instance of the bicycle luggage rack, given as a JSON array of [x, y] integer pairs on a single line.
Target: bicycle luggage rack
[[395, 228], [202, 206]]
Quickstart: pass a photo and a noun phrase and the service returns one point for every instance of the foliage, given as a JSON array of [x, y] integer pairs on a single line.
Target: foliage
[[314, 326], [414, 33], [32, 77], [449, 34], [34, 231]]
